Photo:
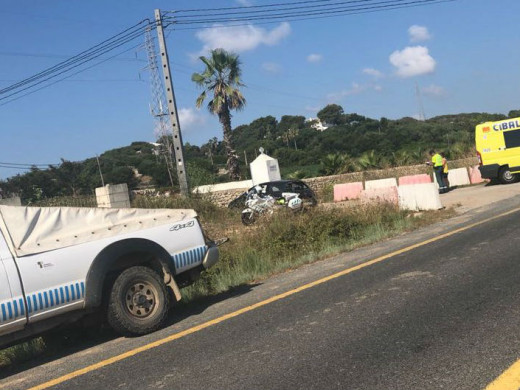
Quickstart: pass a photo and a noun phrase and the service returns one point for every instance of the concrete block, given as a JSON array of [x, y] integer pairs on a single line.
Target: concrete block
[[458, 177], [113, 196], [381, 183], [347, 191], [427, 197], [419, 197], [415, 179], [386, 194], [474, 175], [407, 197]]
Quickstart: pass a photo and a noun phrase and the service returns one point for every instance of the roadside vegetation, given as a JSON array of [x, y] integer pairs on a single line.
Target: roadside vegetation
[[276, 244]]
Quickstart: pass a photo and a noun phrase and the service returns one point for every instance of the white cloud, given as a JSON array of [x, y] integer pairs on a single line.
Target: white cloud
[[412, 61], [271, 67], [373, 72], [355, 89], [244, 3], [418, 33], [240, 38], [188, 118], [314, 58], [434, 90]]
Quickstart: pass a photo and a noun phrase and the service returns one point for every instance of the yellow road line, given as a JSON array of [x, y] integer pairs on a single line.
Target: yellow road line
[[246, 309], [509, 380]]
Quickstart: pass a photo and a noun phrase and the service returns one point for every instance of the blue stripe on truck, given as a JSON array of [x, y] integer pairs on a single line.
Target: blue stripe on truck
[[14, 308], [190, 257]]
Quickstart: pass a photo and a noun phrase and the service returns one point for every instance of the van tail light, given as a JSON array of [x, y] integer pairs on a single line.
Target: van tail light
[[479, 156]]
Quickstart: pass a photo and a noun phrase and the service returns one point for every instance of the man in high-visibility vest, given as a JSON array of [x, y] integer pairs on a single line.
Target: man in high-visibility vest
[[438, 168]]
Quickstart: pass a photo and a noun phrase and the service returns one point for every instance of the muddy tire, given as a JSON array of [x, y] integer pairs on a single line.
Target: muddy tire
[[138, 302], [248, 218]]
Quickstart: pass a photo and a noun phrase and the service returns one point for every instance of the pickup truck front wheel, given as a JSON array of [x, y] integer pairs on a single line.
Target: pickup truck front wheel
[[138, 302]]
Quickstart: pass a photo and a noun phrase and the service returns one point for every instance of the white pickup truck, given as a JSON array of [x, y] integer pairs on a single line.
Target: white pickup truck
[[59, 263]]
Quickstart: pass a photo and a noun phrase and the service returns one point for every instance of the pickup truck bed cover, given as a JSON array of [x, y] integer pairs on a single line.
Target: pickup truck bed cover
[[31, 230]]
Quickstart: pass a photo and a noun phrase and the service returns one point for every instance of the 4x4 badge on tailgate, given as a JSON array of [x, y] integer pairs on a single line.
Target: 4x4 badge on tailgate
[[180, 226]]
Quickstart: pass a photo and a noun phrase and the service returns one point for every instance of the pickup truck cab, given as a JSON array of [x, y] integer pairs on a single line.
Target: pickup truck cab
[[59, 263]]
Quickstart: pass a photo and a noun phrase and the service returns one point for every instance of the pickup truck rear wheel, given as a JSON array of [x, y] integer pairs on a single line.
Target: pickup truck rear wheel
[[138, 302]]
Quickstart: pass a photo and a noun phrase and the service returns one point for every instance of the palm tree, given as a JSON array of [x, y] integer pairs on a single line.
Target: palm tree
[[335, 163], [210, 148], [369, 160], [286, 137], [221, 80], [292, 134]]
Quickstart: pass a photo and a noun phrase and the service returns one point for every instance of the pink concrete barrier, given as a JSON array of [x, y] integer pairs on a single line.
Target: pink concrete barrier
[[474, 175], [388, 194], [415, 179], [347, 191]]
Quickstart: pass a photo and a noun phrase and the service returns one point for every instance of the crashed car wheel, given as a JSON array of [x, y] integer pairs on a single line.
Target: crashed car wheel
[[248, 218], [238, 202]]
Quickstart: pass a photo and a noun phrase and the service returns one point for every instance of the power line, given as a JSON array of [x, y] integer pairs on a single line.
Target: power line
[[86, 56], [41, 55], [72, 59], [19, 168], [290, 6], [248, 7], [337, 11], [25, 164], [66, 77], [36, 80], [259, 14], [273, 18]]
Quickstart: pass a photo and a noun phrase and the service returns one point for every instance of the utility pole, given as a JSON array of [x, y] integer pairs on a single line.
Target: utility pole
[[100, 173], [419, 101], [158, 106], [172, 108]]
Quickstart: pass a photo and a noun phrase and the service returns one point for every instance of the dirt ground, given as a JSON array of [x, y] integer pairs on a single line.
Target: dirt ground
[[476, 196]]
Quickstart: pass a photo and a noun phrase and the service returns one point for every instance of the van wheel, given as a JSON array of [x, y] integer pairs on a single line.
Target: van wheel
[[138, 303], [506, 177]]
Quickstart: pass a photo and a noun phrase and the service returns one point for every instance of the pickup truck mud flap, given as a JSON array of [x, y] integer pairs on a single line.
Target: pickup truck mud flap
[[211, 257]]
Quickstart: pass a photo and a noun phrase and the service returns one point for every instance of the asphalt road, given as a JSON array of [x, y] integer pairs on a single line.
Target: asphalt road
[[445, 315]]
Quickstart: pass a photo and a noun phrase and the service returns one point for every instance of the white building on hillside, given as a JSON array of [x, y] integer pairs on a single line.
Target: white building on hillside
[[316, 124]]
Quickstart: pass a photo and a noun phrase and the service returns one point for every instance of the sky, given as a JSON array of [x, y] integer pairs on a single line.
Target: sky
[[462, 56]]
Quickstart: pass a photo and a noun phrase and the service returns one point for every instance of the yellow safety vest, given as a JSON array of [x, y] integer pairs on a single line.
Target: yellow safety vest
[[445, 169], [437, 160]]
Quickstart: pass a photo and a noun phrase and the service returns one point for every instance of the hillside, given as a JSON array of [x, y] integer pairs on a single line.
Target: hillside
[[351, 142]]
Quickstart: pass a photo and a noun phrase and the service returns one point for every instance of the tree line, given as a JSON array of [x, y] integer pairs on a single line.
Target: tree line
[[351, 142]]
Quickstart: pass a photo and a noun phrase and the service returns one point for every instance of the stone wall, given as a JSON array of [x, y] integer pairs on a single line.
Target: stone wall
[[14, 201], [222, 198], [320, 184]]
